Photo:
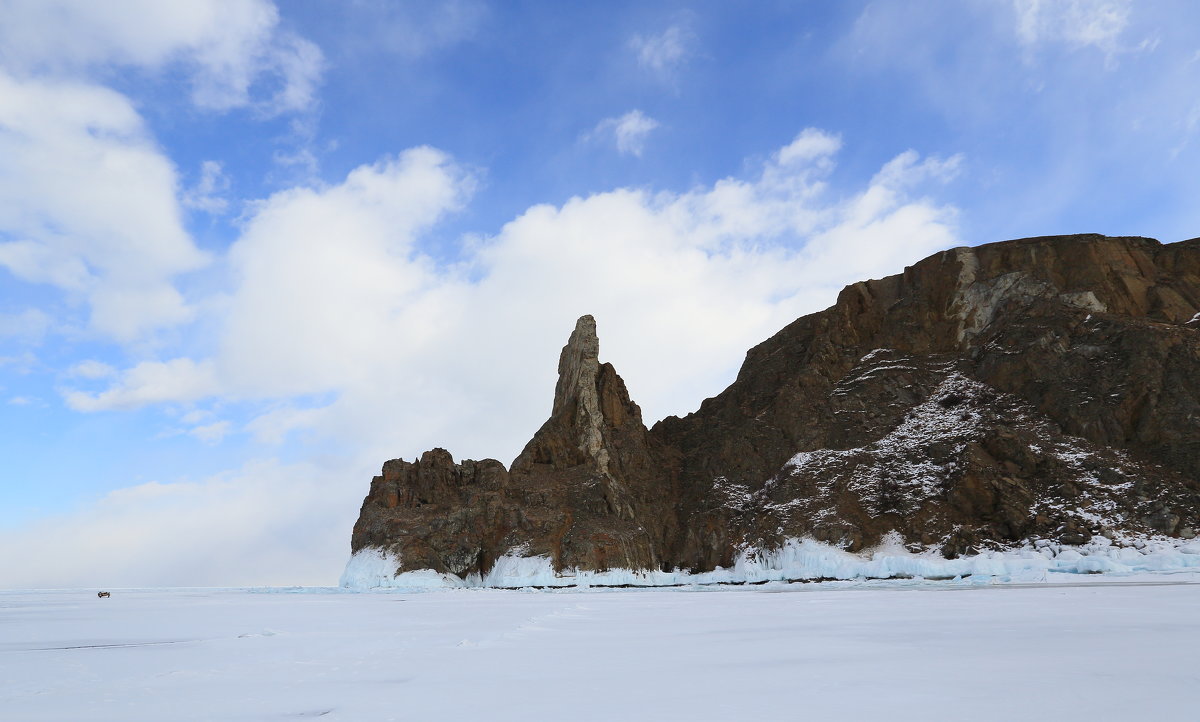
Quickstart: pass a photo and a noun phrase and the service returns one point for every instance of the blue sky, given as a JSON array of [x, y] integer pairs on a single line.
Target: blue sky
[[248, 251]]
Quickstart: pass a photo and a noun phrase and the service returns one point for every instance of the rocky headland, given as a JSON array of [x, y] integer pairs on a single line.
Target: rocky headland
[[1038, 391]]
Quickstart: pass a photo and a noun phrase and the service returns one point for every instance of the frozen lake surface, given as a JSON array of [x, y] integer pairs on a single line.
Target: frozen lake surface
[[1091, 648]]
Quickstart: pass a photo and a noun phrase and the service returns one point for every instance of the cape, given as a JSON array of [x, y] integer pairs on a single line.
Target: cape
[[1036, 389]]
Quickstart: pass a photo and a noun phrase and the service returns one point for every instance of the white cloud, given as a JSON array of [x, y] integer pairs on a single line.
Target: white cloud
[[206, 194], [1081, 114], [299, 165], [411, 353], [273, 426], [21, 363], [345, 258], [909, 168], [1077, 23], [342, 258], [151, 382], [28, 326], [811, 144], [628, 132], [663, 53], [211, 433], [91, 202], [195, 416], [228, 46], [92, 369], [413, 28]]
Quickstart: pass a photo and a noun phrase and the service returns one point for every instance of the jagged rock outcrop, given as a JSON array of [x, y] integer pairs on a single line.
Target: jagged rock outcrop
[[586, 491], [1044, 387]]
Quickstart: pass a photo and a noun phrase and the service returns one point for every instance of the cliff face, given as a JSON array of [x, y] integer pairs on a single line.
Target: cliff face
[[1040, 387]]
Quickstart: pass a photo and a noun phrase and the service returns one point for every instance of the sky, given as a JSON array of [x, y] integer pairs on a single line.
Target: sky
[[249, 251]]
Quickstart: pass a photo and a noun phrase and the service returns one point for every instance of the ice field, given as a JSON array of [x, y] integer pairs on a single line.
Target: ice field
[[1096, 647]]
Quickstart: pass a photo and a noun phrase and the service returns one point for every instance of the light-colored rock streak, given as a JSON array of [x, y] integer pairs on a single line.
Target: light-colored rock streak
[[578, 368], [977, 302]]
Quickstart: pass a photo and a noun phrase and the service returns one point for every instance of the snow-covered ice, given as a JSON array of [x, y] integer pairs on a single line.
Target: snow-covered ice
[[806, 560], [1104, 647]]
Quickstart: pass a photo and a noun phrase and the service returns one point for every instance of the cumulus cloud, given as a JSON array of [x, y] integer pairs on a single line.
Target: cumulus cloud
[[345, 258], [228, 47], [90, 203], [628, 132]]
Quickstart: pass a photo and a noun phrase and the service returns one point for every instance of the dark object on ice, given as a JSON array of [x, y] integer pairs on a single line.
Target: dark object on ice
[[102, 595], [1043, 387]]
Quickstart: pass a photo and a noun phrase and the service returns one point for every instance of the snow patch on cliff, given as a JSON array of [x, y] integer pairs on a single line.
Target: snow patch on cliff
[[374, 568]]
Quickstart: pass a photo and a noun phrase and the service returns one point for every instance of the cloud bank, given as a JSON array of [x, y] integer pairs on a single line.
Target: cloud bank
[[338, 325]]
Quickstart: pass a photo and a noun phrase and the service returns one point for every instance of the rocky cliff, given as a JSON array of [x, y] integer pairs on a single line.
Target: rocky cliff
[[1038, 388]]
